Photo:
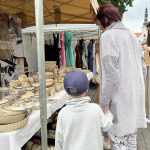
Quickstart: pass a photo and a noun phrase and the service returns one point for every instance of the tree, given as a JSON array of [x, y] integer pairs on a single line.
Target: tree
[[121, 5]]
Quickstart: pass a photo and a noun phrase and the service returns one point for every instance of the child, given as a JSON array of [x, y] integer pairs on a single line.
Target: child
[[79, 123]]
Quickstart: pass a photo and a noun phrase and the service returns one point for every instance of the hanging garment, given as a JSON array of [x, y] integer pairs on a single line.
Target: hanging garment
[[59, 46], [63, 55], [72, 61], [77, 50], [56, 49], [81, 51], [97, 54], [67, 37], [85, 66], [74, 43], [86, 54], [94, 64], [90, 57], [50, 53], [59, 41]]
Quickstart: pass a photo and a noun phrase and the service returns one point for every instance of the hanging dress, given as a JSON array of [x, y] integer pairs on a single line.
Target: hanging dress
[[90, 57], [66, 35], [94, 64], [86, 54], [56, 40], [84, 57], [77, 50], [63, 55], [72, 61], [59, 46]]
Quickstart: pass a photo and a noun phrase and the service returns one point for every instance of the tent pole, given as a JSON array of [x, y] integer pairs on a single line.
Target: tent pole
[[41, 69]]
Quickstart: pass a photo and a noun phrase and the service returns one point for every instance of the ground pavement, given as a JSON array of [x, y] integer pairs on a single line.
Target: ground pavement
[[143, 135]]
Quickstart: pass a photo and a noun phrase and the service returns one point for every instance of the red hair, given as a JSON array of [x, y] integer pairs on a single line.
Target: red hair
[[109, 11]]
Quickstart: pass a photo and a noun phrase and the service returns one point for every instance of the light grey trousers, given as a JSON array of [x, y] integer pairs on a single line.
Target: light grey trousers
[[127, 142]]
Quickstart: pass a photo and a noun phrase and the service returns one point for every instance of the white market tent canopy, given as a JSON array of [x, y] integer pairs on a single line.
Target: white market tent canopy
[[80, 31], [86, 31], [62, 27]]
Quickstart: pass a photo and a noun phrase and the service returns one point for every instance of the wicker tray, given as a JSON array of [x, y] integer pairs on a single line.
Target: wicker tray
[[8, 119], [14, 126]]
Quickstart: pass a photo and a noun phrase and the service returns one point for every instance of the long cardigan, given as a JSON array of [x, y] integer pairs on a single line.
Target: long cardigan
[[122, 71]]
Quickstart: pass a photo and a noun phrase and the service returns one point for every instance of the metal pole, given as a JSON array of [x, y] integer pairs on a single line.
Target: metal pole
[[41, 68]]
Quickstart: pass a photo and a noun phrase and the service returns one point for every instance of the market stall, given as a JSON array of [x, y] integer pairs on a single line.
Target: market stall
[[25, 10], [80, 32]]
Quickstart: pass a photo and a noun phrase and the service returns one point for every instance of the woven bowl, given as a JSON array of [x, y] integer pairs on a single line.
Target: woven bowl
[[13, 110], [4, 103], [78, 69], [13, 83], [27, 98], [86, 71], [67, 70], [36, 105], [14, 126], [50, 80], [6, 119], [29, 109], [3, 92], [22, 78], [19, 102], [36, 85]]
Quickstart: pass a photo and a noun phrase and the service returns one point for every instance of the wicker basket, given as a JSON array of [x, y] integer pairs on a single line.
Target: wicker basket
[[29, 109], [14, 126], [13, 110], [50, 65], [6, 119], [4, 103], [36, 105]]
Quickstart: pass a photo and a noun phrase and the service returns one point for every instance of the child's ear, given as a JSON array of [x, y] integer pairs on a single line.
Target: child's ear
[[87, 90]]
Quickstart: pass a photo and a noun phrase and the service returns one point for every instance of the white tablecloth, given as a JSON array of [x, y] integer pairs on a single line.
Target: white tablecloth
[[16, 139]]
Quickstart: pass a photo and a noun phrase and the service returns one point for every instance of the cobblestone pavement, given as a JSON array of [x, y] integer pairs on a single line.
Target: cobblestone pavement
[[143, 135]]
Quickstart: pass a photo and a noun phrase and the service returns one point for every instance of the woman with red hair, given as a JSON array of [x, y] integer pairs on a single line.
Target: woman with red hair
[[122, 72]]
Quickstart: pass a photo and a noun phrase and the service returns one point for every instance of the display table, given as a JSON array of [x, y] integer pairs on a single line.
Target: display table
[[16, 139]]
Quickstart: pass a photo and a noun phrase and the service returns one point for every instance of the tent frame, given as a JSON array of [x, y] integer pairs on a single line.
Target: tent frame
[[41, 68]]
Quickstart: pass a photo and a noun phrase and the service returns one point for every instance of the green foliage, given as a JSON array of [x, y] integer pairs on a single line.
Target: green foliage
[[121, 5]]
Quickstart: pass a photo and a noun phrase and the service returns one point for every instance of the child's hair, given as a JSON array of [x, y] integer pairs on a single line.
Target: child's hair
[[72, 91]]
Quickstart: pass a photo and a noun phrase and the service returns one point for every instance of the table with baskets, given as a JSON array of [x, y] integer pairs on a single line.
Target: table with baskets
[[14, 140]]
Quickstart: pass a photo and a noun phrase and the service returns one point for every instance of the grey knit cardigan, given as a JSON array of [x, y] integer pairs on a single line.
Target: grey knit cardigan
[[122, 71]]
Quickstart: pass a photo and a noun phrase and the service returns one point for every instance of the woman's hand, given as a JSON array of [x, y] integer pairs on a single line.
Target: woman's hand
[[106, 111], [146, 48], [94, 79]]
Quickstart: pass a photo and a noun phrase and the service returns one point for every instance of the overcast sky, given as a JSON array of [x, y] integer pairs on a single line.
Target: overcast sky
[[134, 17]]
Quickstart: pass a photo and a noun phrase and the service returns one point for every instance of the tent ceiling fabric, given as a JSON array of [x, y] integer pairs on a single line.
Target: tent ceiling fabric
[[55, 11]]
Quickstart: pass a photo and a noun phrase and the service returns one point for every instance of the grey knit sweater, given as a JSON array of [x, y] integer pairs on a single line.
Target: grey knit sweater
[[122, 71], [79, 126]]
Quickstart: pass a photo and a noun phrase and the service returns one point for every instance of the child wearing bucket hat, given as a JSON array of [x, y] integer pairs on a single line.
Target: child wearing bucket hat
[[79, 122]]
